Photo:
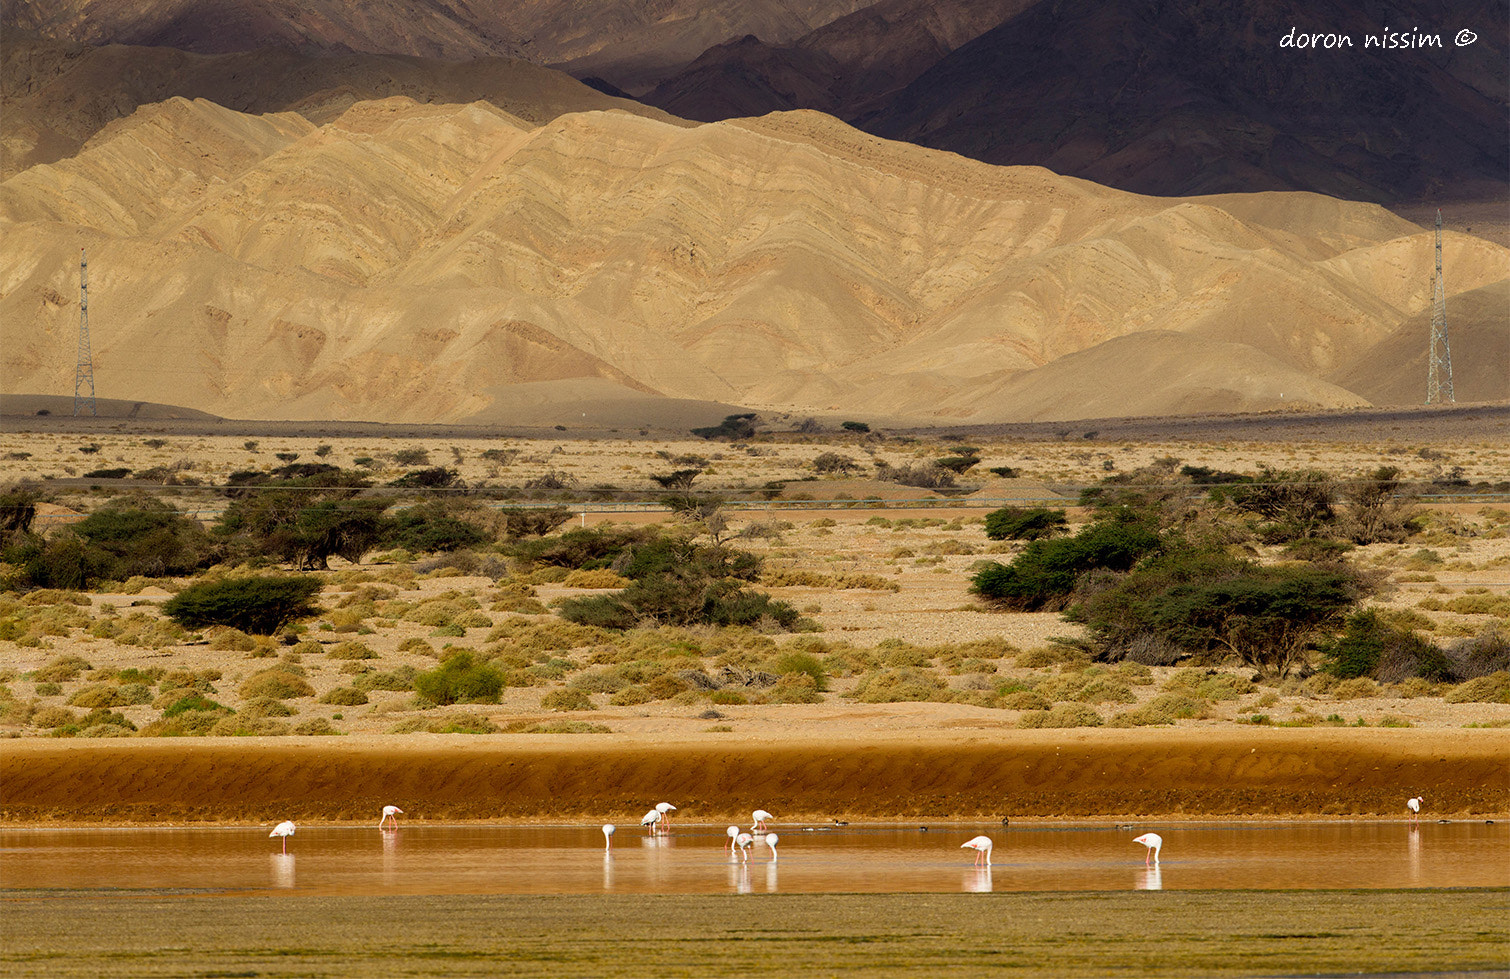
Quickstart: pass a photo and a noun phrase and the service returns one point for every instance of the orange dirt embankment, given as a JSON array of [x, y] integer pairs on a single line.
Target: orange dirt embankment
[[1192, 772]]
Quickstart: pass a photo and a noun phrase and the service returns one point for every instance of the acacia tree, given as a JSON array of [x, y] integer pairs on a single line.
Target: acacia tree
[[1207, 603], [306, 520]]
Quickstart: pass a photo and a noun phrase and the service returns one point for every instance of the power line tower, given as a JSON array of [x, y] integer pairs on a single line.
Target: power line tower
[[1439, 373], [83, 372]]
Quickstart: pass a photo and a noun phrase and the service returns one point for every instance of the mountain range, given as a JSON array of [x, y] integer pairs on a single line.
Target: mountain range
[[308, 231]]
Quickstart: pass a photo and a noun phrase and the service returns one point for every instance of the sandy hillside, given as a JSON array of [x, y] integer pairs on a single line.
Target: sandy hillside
[[788, 262]]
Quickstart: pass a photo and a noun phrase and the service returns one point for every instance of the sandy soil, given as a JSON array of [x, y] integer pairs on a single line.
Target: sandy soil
[[835, 759], [935, 775]]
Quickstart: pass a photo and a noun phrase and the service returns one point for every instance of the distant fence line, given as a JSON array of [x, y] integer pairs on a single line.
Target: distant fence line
[[1061, 495]]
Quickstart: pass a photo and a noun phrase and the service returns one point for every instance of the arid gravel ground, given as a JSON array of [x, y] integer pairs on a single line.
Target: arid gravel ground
[[888, 571]]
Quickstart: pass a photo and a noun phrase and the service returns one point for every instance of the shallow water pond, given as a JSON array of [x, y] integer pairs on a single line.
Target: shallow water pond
[[694, 859]]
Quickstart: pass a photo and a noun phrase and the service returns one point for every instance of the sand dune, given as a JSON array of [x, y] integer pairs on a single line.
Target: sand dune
[[408, 261]]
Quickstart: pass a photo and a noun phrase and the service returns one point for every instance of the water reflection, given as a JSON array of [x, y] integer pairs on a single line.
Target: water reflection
[[476, 859], [283, 870], [390, 858], [977, 880]]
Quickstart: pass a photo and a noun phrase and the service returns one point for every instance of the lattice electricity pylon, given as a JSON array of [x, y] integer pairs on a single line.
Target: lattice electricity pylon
[[83, 371], [1439, 371]]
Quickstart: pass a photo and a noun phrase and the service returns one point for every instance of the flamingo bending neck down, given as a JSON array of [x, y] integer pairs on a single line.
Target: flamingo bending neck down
[[608, 829], [760, 816], [1155, 843], [982, 847], [742, 844], [1414, 805], [733, 832], [665, 809], [770, 841], [651, 821], [284, 829], [390, 812]]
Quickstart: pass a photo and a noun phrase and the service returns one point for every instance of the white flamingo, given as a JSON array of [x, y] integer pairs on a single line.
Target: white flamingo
[[284, 829], [733, 832], [760, 816], [742, 844], [1414, 805], [665, 809], [770, 841], [608, 829], [1155, 843], [982, 847], [651, 821], [390, 812]]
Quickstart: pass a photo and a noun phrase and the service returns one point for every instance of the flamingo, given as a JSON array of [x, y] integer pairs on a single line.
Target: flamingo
[[665, 808], [284, 829], [1414, 805], [982, 847], [1155, 843], [651, 820], [770, 841], [608, 829], [760, 816], [390, 812], [742, 844], [733, 832]]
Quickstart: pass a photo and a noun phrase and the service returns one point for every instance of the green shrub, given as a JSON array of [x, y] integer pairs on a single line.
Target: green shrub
[[1373, 647], [192, 701], [399, 678], [1060, 715], [239, 726], [1025, 700], [566, 699], [344, 697], [794, 688], [415, 644], [1358, 688], [61, 669], [351, 651], [258, 605], [275, 682], [315, 726], [560, 727], [630, 696], [1491, 689], [901, 685], [460, 678], [728, 697], [457, 723], [1044, 575], [53, 717], [1024, 523], [98, 695], [1166, 708], [798, 662], [431, 527], [266, 707], [1209, 684], [1210, 604]]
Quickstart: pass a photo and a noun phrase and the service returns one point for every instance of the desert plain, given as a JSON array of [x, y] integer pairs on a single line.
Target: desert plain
[[881, 573]]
